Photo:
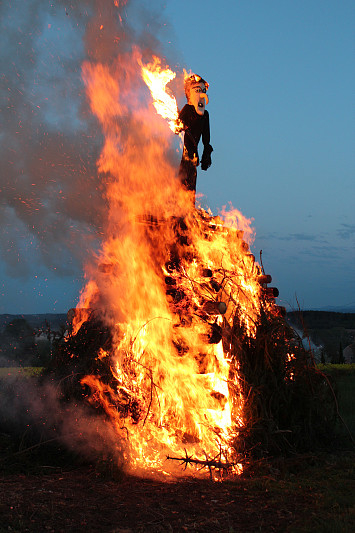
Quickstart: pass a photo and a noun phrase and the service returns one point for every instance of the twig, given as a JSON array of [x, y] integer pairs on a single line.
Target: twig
[[205, 463], [145, 324], [261, 262], [305, 329], [151, 388], [151, 396]]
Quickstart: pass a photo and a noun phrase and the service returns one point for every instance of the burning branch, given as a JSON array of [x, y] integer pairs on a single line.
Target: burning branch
[[215, 463]]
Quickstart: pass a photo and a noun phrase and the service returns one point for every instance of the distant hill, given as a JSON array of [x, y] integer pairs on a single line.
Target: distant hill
[[36, 321], [337, 308], [20, 344], [322, 319], [332, 331]]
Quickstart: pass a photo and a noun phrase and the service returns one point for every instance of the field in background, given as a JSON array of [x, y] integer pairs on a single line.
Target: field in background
[[20, 372], [343, 378]]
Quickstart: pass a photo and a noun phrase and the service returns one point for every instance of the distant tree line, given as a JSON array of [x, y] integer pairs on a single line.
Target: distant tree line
[[332, 331], [322, 319], [23, 345]]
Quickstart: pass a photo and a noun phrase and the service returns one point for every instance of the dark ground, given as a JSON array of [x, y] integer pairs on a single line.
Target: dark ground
[[79, 501], [309, 493]]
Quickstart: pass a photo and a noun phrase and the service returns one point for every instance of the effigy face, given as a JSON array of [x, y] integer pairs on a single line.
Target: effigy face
[[198, 97]]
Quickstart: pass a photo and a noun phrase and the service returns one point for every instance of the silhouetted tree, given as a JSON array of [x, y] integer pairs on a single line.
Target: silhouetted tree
[[18, 343]]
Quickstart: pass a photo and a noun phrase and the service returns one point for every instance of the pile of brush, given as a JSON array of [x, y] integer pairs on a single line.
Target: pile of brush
[[288, 404]]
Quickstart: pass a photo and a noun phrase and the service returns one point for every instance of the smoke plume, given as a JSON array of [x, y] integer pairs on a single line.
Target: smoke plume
[[52, 204]]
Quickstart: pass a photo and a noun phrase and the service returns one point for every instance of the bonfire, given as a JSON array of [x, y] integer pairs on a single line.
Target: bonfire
[[177, 317]]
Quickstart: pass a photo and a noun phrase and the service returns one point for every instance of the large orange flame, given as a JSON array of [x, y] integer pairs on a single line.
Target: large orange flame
[[169, 281], [165, 104]]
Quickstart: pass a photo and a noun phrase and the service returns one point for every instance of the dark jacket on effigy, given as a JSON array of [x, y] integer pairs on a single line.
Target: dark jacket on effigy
[[196, 126]]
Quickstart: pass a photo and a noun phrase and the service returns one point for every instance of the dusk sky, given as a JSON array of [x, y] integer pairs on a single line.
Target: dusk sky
[[282, 82]]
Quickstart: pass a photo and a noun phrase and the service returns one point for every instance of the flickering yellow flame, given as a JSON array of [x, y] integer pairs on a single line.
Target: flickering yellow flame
[[165, 104], [170, 387]]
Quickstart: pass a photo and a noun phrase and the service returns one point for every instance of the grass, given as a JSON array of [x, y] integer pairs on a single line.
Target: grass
[[311, 493], [343, 377], [20, 372], [346, 388], [337, 369], [327, 487]]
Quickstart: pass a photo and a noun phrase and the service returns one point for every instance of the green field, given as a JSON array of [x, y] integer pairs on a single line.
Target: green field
[[343, 377], [20, 372]]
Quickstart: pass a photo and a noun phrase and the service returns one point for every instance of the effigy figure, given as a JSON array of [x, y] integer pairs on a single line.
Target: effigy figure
[[196, 123]]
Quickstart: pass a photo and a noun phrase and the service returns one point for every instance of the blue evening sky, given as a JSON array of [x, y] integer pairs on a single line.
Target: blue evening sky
[[281, 77], [282, 83]]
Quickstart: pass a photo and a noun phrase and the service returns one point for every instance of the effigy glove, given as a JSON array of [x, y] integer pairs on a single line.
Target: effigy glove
[[206, 161]]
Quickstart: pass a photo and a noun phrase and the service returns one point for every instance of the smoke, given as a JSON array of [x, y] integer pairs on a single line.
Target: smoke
[[35, 413], [52, 204]]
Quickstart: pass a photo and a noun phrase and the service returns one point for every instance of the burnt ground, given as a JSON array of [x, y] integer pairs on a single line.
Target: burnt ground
[[318, 496]]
